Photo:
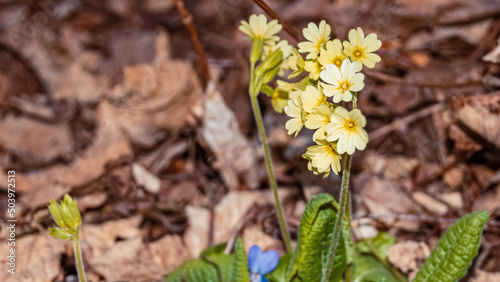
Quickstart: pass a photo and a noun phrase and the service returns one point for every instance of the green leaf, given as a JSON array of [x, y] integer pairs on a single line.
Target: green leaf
[[378, 245], [455, 250], [193, 271], [279, 273], [314, 237], [223, 263], [240, 266], [368, 269]]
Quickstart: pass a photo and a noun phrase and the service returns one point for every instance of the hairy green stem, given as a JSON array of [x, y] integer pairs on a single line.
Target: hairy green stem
[[270, 172], [349, 269], [344, 192], [79, 261]]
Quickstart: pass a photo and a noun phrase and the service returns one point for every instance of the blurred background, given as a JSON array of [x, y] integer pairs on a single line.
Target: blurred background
[[107, 101]]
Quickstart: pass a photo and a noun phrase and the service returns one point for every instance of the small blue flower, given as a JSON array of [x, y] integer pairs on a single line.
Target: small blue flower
[[261, 263]]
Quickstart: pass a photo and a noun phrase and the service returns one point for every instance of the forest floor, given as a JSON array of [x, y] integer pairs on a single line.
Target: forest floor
[[107, 101]]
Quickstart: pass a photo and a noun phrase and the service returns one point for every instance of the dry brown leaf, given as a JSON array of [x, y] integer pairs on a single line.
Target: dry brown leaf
[[463, 141], [33, 139], [107, 255], [162, 96], [382, 197], [408, 255], [146, 179], [430, 203], [142, 261], [255, 236], [228, 214], [483, 276], [109, 145], [235, 156], [391, 168], [38, 258], [454, 177], [196, 236], [482, 122], [454, 199], [488, 201]]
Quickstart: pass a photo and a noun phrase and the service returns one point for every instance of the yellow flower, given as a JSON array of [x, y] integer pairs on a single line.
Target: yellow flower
[[318, 119], [347, 129], [316, 38], [323, 158], [279, 99], [341, 82], [295, 110], [333, 54], [313, 68], [312, 98], [259, 28], [360, 48]]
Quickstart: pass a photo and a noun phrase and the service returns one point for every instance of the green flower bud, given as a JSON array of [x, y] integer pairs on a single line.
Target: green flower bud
[[56, 214], [59, 233], [271, 61], [67, 216], [269, 75], [257, 45]]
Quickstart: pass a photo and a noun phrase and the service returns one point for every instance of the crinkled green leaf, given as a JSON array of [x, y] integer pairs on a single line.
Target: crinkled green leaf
[[279, 273], [378, 245], [214, 266], [314, 237], [240, 266], [455, 251], [368, 269]]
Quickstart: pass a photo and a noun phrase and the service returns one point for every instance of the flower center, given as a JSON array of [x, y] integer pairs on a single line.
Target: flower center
[[344, 86], [350, 124], [357, 53], [338, 62]]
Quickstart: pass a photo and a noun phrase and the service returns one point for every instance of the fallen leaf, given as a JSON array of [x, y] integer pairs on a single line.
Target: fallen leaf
[[454, 199], [408, 255], [382, 197], [484, 276], [35, 140], [146, 179], [430, 203], [235, 156], [51, 183], [255, 236], [142, 261], [481, 122], [227, 215], [38, 258]]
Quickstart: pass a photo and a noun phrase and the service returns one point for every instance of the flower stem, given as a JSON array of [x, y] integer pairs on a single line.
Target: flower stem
[[344, 192], [79, 261], [270, 172]]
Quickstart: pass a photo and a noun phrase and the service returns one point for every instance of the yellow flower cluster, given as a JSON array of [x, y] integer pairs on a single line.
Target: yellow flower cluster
[[333, 71]]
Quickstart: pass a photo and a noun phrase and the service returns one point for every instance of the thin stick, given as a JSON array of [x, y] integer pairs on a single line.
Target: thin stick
[[286, 26], [389, 78], [401, 124], [187, 20]]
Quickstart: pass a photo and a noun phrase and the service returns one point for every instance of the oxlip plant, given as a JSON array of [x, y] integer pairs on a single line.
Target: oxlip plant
[[317, 84]]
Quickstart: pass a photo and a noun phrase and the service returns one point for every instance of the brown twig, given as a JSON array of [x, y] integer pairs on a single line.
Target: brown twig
[[187, 20], [402, 123], [389, 78], [286, 26]]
